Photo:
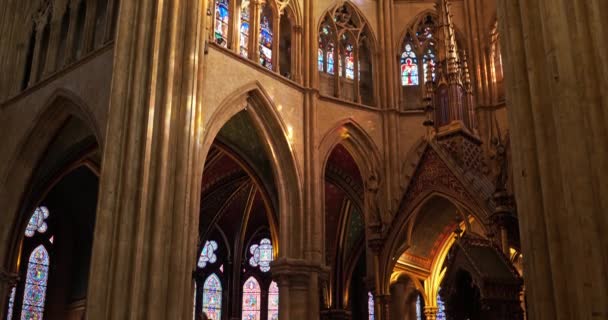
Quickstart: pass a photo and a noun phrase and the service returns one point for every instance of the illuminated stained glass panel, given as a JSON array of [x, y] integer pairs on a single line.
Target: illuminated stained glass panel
[[370, 306], [251, 299], [212, 297], [11, 304], [244, 29], [418, 308], [222, 16], [36, 222], [440, 308], [261, 255], [320, 59], [266, 42], [349, 60], [409, 67], [273, 301], [429, 58], [35, 284], [208, 255], [330, 58]]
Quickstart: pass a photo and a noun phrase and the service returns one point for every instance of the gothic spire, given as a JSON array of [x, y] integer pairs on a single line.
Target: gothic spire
[[447, 38]]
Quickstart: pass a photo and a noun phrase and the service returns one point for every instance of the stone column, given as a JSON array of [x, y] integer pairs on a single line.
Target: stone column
[[88, 34], [555, 73], [70, 54], [296, 55], [398, 300], [276, 38], [298, 282], [254, 29], [111, 10], [144, 248], [59, 10]]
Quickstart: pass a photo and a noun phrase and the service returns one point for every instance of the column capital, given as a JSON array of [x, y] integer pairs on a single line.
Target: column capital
[[296, 271], [430, 313]]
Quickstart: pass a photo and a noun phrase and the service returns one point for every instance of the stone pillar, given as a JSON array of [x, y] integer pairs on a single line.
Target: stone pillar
[[555, 76], [254, 29], [398, 301], [111, 10], [296, 56], [40, 23], [70, 54], [88, 34], [298, 282], [59, 10], [276, 38], [383, 306], [144, 248]]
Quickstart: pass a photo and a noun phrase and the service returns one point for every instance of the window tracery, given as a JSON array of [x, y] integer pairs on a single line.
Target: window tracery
[[36, 222], [208, 254], [261, 255]]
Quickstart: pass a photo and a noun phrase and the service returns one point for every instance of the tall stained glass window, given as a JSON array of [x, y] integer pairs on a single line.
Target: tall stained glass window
[[409, 67], [370, 306], [261, 255], [320, 60], [222, 16], [244, 29], [35, 284], [273, 301], [266, 39], [251, 299], [418, 308], [208, 255], [11, 304], [429, 58], [349, 61], [212, 297], [330, 58], [440, 308], [36, 222]]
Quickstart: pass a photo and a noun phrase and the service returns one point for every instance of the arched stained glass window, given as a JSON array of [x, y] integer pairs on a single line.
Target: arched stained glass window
[[208, 255], [261, 255], [330, 58], [36, 222], [440, 308], [212, 297], [11, 304], [320, 60], [251, 299], [409, 67], [266, 38], [35, 284], [222, 15], [418, 308], [273, 301], [370, 306], [244, 29], [429, 58]]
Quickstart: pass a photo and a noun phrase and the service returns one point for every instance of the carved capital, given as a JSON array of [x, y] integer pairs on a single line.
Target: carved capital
[[296, 272], [430, 313]]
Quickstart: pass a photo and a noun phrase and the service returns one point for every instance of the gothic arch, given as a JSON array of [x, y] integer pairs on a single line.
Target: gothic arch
[[361, 147], [21, 168], [253, 99]]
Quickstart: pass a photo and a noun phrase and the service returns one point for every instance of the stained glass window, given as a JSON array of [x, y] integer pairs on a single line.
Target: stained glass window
[[261, 255], [208, 254], [11, 303], [418, 308], [425, 29], [320, 59], [221, 22], [349, 60], [440, 308], [330, 58], [212, 297], [409, 67], [266, 40], [36, 222], [370, 306], [273, 301], [429, 58], [35, 284], [244, 29], [251, 299], [194, 303]]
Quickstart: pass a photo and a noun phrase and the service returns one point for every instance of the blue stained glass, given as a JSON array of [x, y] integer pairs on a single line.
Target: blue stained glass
[[35, 284], [261, 255], [266, 43], [320, 58], [208, 254], [330, 58], [36, 222], [370, 306], [273, 301], [222, 16], [440, 308], [251, 300], [11, 303], [212, 297], [244, 29], [409, 67], [418, 308]]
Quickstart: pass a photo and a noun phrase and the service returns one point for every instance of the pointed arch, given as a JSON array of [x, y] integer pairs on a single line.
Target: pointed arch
[[253, 99]]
